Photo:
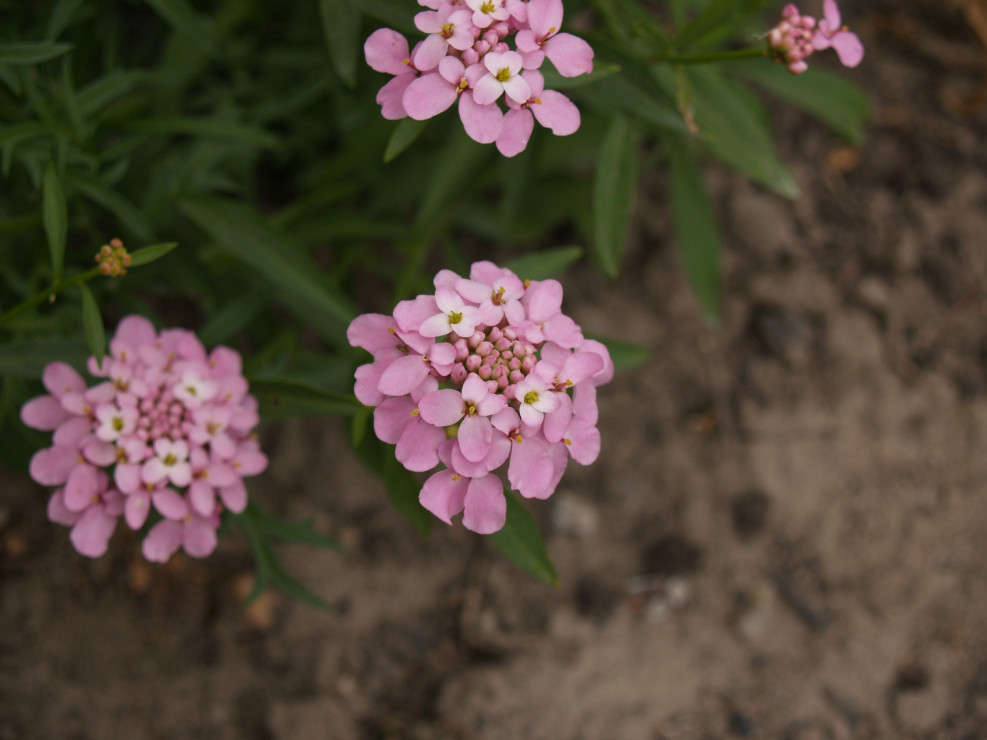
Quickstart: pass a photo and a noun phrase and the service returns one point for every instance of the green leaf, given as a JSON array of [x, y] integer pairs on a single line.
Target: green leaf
[[613, 192], [60, 17], [401, 485], [522, 543], [695, 227], [831, 99], [11, 136], [150, 254], [209, 128], [128, 214], [402, 136], [393, 13], [31, 52], [341, 25], [736, 129], [269, 570], [544, 264], [184, 20], [625, 355], [98, 94], [281, 398], [621, 94], [298, 532], [718, 14], [92, 322], [555, 81], [56, 218], [300, 285], [27, 359]]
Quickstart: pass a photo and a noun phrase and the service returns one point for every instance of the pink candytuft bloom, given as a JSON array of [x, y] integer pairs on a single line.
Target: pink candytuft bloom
[[166, 435], [797, 37], [467, 56], [485, 372]]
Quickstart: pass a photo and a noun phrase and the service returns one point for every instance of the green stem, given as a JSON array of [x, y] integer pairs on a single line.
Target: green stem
[[48, 294], [716, 56]]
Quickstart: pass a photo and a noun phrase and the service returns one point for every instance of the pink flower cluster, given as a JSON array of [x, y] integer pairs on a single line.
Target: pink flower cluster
[[466, 57], [484, 371], [797, 36], [168, 429]]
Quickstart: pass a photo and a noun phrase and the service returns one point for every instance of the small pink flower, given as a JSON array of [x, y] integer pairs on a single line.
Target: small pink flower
[[831, 34], [170, 462], [570, 55], [455, 316], [486, 12], [503, 76]]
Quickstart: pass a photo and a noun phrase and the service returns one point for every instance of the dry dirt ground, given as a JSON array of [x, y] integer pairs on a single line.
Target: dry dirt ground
[[785, 536]]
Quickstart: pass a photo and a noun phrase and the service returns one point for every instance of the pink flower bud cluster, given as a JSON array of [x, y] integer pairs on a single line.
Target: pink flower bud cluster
[[466, 56], [797, 36], [168, 429], [485, 371]]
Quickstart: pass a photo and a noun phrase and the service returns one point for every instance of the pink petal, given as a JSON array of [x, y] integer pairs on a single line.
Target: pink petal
[[545, 16], [557, 421], [82, 485], [91, 534], [135, 331], [556, 112], [517, 89], [234, 496], [127, 477], [367, 378], [831, 11], [170, 503], [99, 453], [543, 300], [442, 408], [435, 326], [44, 413], [482, 122], [199, 537], [387, 51], [530, 470], [570, 54], [136, 509], [428, 96], [202, 497], [402, 376], [411, 314], [429, 53], [583, 441], [162, 541], [418, 447], [848, 47], [487, 89], [485, 507], [391, 417], [443, 494], [249, 460], [58, 512], [516, 131], [390, 97], [72, 431], [475, 436], [60, 378], [370, 331]]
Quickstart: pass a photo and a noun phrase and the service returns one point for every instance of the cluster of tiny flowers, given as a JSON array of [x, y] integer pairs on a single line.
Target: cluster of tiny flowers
[[113, 259], [797, 36], [485, 371], [466, 57], [168, 429]]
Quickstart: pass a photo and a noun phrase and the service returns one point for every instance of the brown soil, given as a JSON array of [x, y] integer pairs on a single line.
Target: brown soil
[[784, 536]]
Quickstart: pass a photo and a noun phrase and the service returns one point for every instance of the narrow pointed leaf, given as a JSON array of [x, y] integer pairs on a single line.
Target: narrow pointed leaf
[[522, 543], [150, 254], [833, 100], [341, 25], [695, 227], [402, 136], [613, 192], [545, 264], [184, 20], [92, 323], [299, 284], [286, 399], [31, 52], [55, 217]]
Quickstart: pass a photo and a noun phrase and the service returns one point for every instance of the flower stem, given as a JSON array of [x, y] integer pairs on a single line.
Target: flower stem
[[716, 56], [48, 294]]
